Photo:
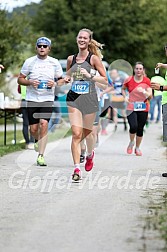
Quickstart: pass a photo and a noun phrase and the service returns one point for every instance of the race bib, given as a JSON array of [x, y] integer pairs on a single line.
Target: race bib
[[43, 85], [139, 106], [81, 87]]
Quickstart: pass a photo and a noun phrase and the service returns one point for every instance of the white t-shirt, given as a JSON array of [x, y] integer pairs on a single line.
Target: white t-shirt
[[43, 70]]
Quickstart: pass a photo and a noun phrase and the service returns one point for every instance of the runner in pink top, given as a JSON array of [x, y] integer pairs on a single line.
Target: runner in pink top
[[138, 87]]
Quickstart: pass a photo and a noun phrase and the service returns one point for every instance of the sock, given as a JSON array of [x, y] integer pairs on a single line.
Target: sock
[[131, 143], [77, 166], [89, 155]]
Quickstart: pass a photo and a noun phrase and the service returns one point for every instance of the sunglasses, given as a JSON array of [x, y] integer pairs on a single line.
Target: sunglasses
[[40, 46]]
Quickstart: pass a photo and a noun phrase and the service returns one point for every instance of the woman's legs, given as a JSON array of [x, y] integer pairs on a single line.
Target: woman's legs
[[88, 121], [141, 119], [137, 121], [81, 126], [132, 120], [133, 123], [95, 133], [75, 117], [83, 151]]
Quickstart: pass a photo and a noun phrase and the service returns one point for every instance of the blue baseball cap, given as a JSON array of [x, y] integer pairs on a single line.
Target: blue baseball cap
[[44, 41]]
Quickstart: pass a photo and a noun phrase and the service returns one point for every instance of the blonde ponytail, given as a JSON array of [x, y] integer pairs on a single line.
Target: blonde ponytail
[[94, 46]]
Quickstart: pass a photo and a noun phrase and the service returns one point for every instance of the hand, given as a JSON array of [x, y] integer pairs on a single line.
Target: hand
[[67, 79], [126, 99], [34, 83], [155, 86], [159, 65], [50, 83], [85, 73]]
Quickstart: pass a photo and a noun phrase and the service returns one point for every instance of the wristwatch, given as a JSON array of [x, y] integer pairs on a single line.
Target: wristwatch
[[161, 88]]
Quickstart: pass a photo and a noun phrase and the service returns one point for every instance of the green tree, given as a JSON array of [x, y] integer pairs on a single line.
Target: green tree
[[13, 32], [131, 30]]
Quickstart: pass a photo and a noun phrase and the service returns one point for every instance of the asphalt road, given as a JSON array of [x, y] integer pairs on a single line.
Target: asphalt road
[[42, 210]]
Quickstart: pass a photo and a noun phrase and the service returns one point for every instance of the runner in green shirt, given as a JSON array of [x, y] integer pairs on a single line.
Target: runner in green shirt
[[163, 88], [157, 98]]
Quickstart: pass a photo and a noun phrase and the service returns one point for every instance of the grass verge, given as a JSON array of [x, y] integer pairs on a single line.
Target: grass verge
[[10, 147]]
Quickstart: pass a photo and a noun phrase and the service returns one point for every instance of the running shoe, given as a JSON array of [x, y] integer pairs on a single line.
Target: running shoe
[[130, 148], [36, 147], [82, 158], [89, 163], [41, 161], [76, 176], [138, 152]]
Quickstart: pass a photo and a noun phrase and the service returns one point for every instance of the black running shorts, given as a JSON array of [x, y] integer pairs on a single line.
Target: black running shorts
[[39, 110]]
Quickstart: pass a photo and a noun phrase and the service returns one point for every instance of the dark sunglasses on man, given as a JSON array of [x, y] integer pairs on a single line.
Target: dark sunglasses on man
[[40, 46]]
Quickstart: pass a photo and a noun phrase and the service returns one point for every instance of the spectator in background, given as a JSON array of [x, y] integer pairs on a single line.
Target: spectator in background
[[117, 99], [105, 111], [29, 140], [163, 89], [157, 98]]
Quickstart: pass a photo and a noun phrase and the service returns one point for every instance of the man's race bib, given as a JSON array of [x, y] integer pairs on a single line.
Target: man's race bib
[[43, 85], [81, 87], [139, 106]]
